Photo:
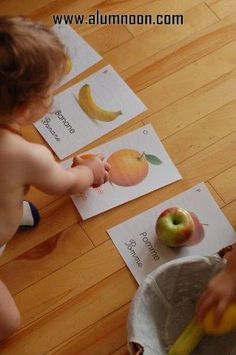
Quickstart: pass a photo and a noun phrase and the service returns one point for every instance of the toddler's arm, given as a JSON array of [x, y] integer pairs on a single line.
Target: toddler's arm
[[221, 290], [43, 172]]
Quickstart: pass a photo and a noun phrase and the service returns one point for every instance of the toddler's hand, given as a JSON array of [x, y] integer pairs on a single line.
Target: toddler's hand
[[221, 291], [99, 167]]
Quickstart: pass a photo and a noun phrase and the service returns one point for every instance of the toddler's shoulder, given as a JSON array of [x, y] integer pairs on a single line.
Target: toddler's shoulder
[[34, 151]]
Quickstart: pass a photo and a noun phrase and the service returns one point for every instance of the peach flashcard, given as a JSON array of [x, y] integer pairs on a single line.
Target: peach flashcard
[[139, 165], [80, 54], [88, 110], [137, 242]]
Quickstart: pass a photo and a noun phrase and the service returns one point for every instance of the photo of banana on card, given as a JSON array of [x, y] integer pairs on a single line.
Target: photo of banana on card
[[92, 110], [88, 110]]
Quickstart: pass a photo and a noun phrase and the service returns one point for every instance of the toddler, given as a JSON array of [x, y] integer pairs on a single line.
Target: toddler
[[32, 60]]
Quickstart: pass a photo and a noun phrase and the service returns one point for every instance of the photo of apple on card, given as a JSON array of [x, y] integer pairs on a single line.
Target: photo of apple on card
[[139, 165], [80, 54], [88, 110], [146, 244]]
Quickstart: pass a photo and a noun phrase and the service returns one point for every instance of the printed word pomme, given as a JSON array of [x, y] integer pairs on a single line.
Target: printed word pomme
[[130, 245], [149, 246]]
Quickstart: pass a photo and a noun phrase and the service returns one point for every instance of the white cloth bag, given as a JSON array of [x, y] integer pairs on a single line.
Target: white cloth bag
[[165, 302]]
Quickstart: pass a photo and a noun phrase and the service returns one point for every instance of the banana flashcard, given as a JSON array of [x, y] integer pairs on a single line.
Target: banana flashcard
[[80, 54], [139, 165], [88, 110]]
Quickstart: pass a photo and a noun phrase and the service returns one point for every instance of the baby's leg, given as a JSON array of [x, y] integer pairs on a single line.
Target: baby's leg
[[9, 314], [30, 217]]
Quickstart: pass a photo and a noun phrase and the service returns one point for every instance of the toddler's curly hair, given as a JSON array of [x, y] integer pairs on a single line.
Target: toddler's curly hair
[[32, 58]]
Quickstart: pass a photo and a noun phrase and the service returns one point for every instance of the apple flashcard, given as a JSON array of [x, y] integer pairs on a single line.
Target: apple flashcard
[[80, 54], [139, 165], [143, 252], [88, 110]]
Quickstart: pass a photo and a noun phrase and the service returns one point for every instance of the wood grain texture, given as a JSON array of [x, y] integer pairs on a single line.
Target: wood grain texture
[[121, 351], [55, 218], [188, 79], [197, 18], [74, 316], [45, 258], [108, 37], [181, 53], [159, 7], [81, 7], [222, 8], [202, 102], [68, 279], [79, 275], [225, 184], [107, 334], [229, 211]]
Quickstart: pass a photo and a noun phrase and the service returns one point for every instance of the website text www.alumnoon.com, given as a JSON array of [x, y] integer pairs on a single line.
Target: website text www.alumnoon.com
[[118, 19]]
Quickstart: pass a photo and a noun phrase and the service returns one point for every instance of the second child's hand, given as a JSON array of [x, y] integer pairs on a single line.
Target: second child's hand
[[220, 291]]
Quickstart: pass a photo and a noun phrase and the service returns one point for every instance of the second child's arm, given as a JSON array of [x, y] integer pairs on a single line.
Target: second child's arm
[[221, 290]]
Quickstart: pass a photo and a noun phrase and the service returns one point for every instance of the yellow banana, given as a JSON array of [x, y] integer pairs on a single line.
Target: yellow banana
[[91, 109], [227, 322], [193, 333], [68, 65], [188, 339]]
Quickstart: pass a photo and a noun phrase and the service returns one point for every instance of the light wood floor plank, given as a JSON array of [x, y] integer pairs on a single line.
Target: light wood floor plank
[[69, 7], [182, 53], [215, 195], [159, 7], [210, 162], [225, 184], [9, 8], [108, 37], [222, 8], [201, 134], [202, 102], [196, 19], [78, 314], [229, 212], [45, 258], [78, 276], [189, 79], [55, 218], [101, 338], [121, 351]]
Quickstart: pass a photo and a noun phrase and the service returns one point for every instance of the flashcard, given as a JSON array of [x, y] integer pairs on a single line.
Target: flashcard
[[88, 110], [139, 165], [81, 55], [143, 252]]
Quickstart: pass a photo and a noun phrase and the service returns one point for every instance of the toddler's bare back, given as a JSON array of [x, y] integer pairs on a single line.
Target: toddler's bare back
[[15, 156]]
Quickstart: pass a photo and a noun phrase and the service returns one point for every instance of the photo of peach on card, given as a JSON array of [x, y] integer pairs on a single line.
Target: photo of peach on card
[[139, 165]]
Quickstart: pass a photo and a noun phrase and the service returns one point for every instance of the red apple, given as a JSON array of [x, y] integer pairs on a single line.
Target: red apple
[[177, 227]]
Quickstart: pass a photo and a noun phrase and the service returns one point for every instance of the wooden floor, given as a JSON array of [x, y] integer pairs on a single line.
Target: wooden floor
[[69, 281]]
